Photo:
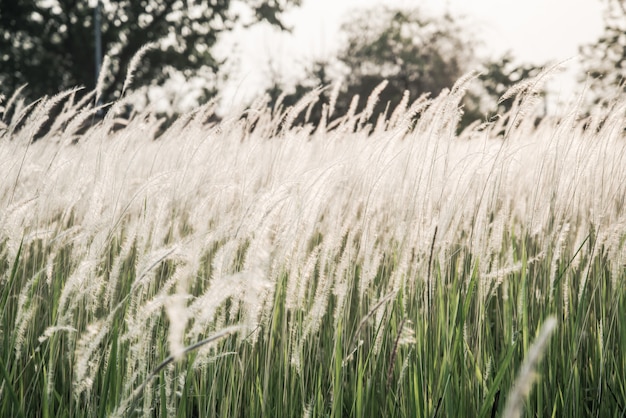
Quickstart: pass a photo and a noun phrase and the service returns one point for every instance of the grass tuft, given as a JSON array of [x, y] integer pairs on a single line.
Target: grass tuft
[[400, 269]]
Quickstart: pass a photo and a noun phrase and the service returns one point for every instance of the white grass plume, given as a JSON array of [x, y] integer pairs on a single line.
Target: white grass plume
[[372, 100], [334, 94], [104, 72], [308, 100], [13, 99], [175, 307], [526, 376], [134, 63]]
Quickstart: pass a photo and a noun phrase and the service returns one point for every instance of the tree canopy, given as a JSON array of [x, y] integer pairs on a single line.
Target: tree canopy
[[416, 54], [50, 44], [605, 59], [412, 51]]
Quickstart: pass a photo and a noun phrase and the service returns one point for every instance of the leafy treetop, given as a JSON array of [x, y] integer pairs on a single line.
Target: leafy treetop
[[50, 44], [605, 59], [416, 54]]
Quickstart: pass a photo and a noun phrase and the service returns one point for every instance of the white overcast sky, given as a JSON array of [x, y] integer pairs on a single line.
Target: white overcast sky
[[535, 31]]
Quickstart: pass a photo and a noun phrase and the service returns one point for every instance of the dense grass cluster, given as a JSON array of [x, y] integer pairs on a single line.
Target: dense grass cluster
[[394, 268]]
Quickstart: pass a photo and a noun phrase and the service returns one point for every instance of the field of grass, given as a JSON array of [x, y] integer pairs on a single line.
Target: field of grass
[[255, 268]]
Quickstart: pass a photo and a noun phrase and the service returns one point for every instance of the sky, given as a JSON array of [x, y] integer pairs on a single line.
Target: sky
[[535, 31]]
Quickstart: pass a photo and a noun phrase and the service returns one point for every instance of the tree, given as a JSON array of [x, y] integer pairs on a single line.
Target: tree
[[605, 60], [412, 52], [50, 45], [415, 54]]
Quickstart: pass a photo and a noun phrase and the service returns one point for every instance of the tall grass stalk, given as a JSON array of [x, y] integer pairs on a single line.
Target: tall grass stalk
[[396, 270]]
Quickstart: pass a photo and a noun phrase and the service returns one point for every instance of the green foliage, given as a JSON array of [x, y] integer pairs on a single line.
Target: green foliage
[[416, 55], [413, 52], [385, 356], [605, 60], [50, 44]]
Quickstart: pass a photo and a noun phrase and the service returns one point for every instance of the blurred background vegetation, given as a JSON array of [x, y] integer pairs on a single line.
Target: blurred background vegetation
[[50, 45], [416, 54]]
